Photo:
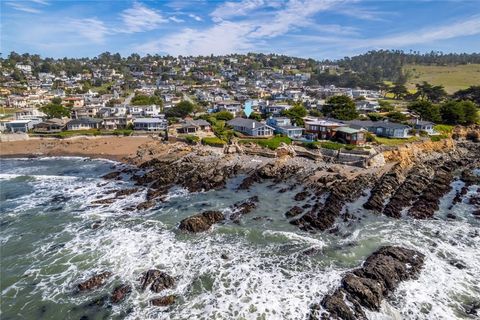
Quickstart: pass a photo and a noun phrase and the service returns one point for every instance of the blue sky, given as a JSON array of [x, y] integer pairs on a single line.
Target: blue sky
[[316, 29]]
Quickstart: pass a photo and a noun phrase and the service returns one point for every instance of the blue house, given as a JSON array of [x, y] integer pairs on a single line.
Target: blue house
[[284, 126]]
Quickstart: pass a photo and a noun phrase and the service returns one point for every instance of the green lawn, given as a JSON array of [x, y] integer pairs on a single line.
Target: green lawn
[[272, 143], [443, 128], [453, 78], [394, 142]]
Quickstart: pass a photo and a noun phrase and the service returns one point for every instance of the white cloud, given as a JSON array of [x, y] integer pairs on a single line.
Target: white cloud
[[195, 17], [223, 38], [175, 19], [465, 27], [235, 9], [43, 2], [23, 7], [140, 18], [90, 28]]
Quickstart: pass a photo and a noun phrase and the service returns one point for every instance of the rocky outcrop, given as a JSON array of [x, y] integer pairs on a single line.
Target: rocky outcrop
[[428, 201], [415, 183], [384, 189], [293, 212], [94, 282], [201, 222], [120, 292], [366, 287], [156, 280], [163, 301], [243, 207], [112, 175], [190, 172], [274, 171], [341, 193]]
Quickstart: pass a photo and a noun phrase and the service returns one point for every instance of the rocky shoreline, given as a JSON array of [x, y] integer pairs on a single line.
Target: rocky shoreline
[[407, 189]]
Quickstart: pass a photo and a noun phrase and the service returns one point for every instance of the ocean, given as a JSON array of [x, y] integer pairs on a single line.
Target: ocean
[[52, 237]]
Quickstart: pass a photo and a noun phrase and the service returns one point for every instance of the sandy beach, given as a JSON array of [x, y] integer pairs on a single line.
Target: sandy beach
[[114, 148]]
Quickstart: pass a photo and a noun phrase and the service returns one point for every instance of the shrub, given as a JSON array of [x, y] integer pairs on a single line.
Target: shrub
[[191, 139], [213, 141], [438, 137], [310, 145], [332, 145]]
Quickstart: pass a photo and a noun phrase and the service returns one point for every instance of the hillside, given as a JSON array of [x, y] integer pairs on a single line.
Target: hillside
[[453, 78]]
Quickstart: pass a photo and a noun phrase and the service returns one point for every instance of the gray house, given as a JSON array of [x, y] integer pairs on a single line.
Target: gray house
[[426, 126], [381, 128], [251, 127], [20, 125], [84, 124], [150, 124], [284, 126]]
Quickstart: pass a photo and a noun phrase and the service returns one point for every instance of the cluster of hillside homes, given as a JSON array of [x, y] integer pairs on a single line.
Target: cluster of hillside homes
[[212, 83]]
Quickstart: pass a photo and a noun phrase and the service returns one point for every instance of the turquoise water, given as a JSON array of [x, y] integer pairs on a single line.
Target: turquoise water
[[49, 244]]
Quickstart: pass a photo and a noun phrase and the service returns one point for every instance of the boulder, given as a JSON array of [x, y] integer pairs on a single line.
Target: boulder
[[367, 286], [94, 282], [156, 280], [201, 222], [293, 212], [120, 292], [112, 175], [163, 301]]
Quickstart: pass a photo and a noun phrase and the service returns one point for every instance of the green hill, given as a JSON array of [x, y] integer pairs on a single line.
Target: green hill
[[453, 78]]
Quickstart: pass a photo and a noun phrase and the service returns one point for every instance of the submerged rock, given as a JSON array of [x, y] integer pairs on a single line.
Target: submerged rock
[[293, 212], [163, 301], [94, 282], [245, 206], [112, 175], [367, 286], [156, 280], [301, 196], [120, 292], [201, 222]]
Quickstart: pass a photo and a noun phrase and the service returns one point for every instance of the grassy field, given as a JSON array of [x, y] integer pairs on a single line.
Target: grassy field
[[272, 143], [392, 142], [453, 78]]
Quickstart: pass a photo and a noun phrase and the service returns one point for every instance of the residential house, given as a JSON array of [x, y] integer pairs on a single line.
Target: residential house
[[234, 107], [251, 127], [350, 135], [144, 111], [322, 129], [193, 126], [114, 123], [426, 126], [84, 124], [284, 126], [366, 106], [276, 109], [150, 124], [20, 125], [381, 128], [49, 126]]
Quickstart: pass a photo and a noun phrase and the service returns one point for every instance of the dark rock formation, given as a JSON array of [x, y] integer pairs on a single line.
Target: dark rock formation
[[341, 193], [94, 282], [146, 205], [428, 202], [293, 212], [156, 280], [120, 293], [415, 183], [367, 286], [163, 301], [112, 175], [201, 222], [104, 201], [245, 206], [384, 189], [301, 196], [126, 192]]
